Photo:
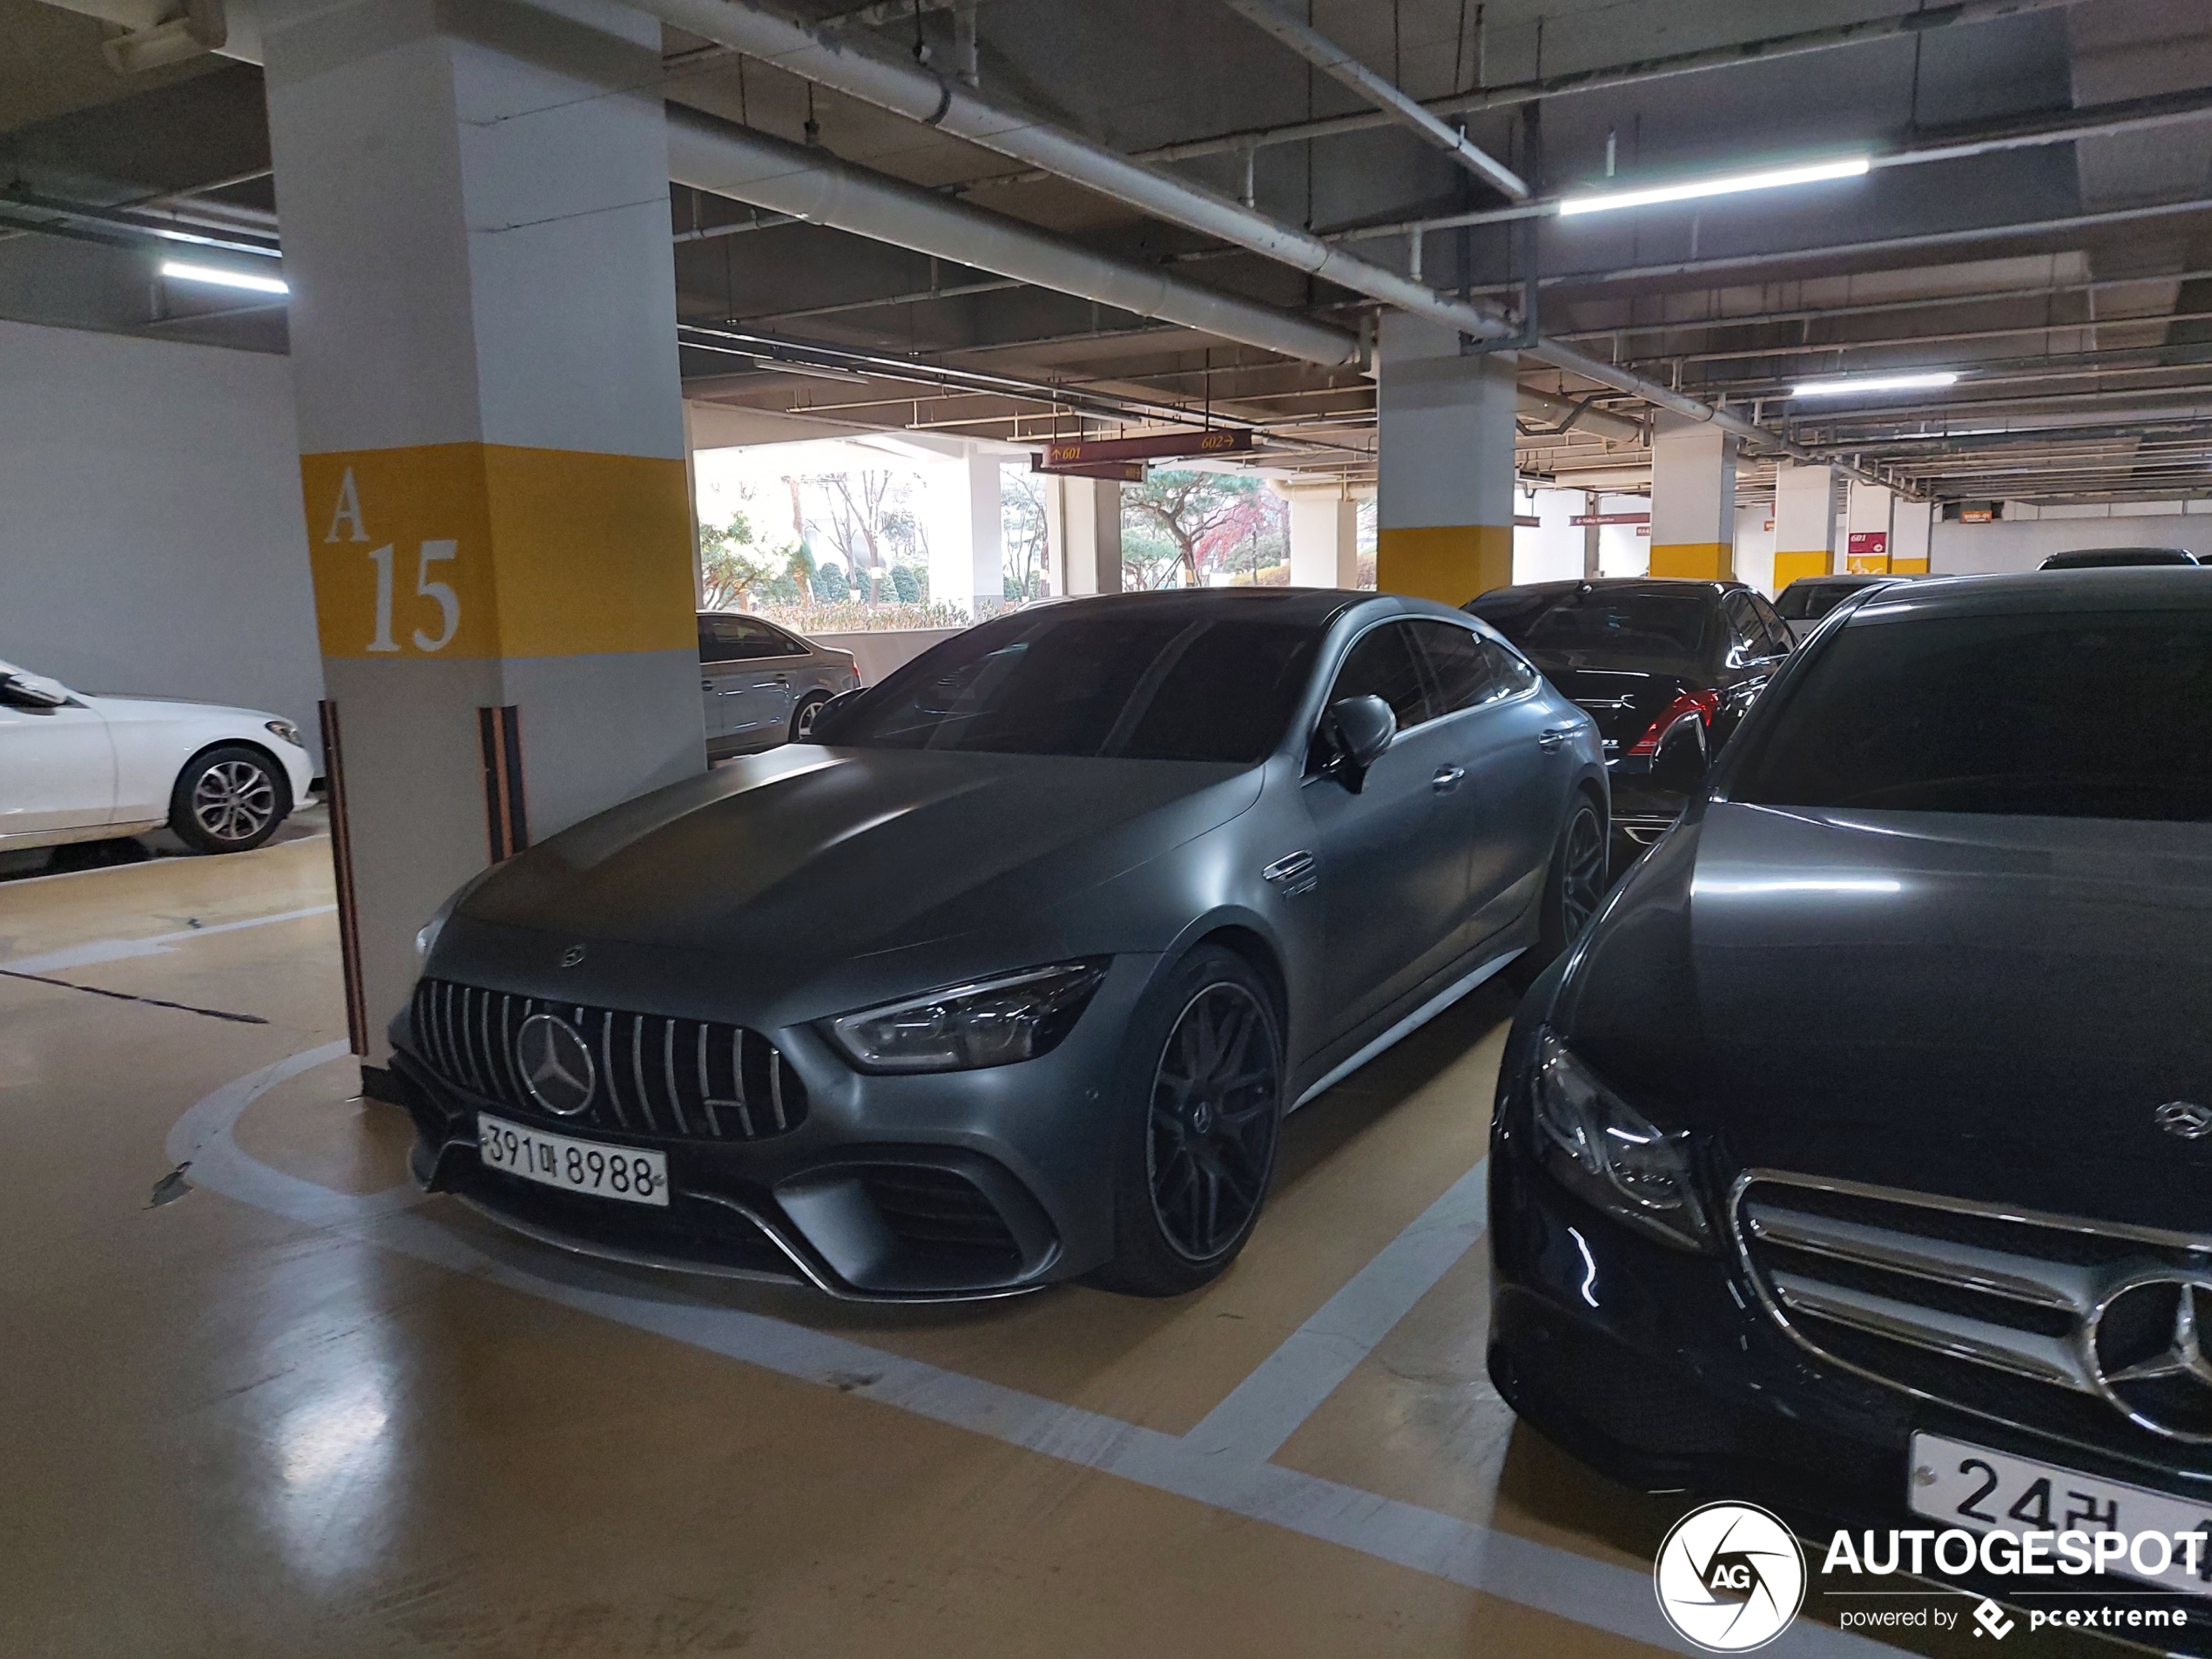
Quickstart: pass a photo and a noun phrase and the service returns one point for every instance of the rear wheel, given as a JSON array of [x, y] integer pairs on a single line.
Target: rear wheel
[[1198, 1110], [229, 800], [1574, 887], [802, 718]]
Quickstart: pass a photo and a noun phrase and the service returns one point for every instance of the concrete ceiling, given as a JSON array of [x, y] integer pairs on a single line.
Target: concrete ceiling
[[2068, 282]]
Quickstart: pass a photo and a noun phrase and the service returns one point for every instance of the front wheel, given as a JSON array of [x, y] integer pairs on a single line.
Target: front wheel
[[1574, 887], [1198, 1109], [228, 799]]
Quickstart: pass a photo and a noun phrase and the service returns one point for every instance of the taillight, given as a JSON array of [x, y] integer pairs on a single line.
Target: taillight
[[1703, 704]]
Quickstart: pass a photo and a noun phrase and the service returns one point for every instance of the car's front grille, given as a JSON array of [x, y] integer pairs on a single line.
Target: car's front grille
[[650, 1074], [2018, 1318]]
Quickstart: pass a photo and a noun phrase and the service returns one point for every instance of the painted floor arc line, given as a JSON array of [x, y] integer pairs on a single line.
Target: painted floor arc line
[[117, 950], [1582, 1589]]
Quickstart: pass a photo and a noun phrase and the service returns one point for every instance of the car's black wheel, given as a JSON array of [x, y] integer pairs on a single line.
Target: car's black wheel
[[229, 798], [802, 718], [1198, 1107], [1574, 887]]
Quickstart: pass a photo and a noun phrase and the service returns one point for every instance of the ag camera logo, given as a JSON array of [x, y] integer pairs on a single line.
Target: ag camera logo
[[1729, 1577]]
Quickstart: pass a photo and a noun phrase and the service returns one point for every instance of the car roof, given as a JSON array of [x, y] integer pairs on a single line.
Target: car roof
[[1844, 579], [1624, 585], [1313, 607], [2126, 587]]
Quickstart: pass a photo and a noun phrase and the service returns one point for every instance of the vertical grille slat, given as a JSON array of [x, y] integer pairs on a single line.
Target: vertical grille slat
[[467, 1034]]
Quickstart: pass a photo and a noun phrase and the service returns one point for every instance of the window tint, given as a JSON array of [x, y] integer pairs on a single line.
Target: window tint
[[1461, 663], [2097, 715], [774, 642], [717, 642], [1167, 685], [1382, 665], [1776, 630], [1513, 673], [1746, 639], [1809, 600], [1600, 625]]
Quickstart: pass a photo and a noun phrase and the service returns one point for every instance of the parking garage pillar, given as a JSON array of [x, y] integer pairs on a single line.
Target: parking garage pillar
[[1911, 528], [1083, 520], [1693, 499], [1804, 521], [1325, 538], [1445, 432], [476, 213]]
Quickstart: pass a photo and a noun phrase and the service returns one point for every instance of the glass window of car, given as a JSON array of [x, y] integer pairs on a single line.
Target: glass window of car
[[1170, 685], [1468, 671], [1746, 638], [1383, 664], [725, 636], [1778, 642], [1628, 625], [2083, 715], [1514, 671]]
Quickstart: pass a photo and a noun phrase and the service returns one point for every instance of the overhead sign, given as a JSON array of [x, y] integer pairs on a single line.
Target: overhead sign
[[1610, 518], [1063, 453], [1120, 472]]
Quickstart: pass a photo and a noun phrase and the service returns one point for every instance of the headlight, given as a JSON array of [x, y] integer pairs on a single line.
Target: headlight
[[1601, 1148], [285, 731], [962, 1028], [427, 935]]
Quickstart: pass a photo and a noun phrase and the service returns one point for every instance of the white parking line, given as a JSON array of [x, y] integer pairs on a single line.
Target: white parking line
[[1227, 1475], [116, 950]]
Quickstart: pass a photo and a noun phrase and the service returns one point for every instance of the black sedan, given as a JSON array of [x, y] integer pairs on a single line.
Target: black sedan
[[1857, 1157], [1011, 973], [1667, 668]]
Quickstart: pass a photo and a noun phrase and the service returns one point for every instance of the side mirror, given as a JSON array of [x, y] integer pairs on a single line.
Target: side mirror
[[21, 693], [826, 716], [1359, 729], [1681, 766]]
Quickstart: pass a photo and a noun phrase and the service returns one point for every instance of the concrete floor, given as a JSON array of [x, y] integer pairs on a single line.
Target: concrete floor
[[279, 1405]]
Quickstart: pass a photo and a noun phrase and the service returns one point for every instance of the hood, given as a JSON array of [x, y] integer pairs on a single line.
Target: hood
[[1984, 1007], [807, 856], [1624, 701], [171, 708]]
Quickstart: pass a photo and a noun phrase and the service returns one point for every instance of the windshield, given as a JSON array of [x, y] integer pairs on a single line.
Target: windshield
[[1170, 685], [1600, 625], [1809, 600], [2089, 715]]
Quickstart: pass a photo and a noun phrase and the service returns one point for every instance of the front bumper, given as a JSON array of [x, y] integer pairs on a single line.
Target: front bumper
[[937, 1186], [1664, 1370]]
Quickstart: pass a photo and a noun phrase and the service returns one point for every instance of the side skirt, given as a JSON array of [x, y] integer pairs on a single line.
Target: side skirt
[[1412, 1022]]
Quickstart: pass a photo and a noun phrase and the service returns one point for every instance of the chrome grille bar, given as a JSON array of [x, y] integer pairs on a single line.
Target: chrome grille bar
[[2021, 1278], [2050, 1359], [668, 1071]]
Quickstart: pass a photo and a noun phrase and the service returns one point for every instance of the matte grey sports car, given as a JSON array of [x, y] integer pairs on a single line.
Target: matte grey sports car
[[1010, 975]]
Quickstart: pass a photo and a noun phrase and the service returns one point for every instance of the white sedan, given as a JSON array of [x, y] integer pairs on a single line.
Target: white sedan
[[74, 767]]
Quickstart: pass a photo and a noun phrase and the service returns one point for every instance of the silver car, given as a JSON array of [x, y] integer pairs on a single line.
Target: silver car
[[763, 685]]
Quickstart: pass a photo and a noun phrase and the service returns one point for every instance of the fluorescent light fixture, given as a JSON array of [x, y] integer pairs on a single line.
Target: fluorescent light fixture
[[178, 271], [1729, 184], [1851, 384]]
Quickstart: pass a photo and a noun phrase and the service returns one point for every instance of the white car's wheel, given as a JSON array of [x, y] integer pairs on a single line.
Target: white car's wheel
[[229, 798]]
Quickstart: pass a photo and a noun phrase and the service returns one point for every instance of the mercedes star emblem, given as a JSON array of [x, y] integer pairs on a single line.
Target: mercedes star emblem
[[2146, 1354], [2185, 1118], [556, 1064], [572, 955]]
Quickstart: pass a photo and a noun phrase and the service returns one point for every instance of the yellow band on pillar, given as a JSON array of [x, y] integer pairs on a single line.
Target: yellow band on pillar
[[480, 549], [1451, 563], [1700, 561], [1908, 567], [1789, 567]]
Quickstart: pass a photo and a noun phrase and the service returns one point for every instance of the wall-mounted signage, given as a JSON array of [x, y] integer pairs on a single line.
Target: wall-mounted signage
[[1612, 518]]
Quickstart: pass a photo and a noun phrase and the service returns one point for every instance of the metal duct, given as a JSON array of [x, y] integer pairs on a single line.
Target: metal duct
[[812, 185]]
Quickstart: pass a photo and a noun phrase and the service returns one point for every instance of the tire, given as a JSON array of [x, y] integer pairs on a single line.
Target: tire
[[1574, 886], [1191, 1164], [802, 718], [229, 798]]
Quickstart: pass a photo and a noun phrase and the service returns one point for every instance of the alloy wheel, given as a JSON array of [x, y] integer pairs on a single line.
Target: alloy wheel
[[234, 801], [806, 723], [1209, 1142], [1582, 880]]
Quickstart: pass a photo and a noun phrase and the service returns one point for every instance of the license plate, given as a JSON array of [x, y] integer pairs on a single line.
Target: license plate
[[1967, 1486], [623, 1172]]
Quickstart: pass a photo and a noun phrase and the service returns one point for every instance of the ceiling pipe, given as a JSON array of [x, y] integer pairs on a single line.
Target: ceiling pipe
[[860, 70], [1595, 80], [1342, 67], [811, 184]]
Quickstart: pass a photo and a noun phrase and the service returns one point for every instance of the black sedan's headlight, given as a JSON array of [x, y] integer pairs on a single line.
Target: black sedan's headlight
[[963, 1028], [1604, 1151]]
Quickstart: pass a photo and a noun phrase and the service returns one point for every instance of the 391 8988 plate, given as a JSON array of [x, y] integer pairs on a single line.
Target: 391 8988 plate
[[628, 1174]]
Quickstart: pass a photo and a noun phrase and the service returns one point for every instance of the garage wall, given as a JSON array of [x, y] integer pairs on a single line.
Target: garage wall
[[2022, 543], [152, 540]]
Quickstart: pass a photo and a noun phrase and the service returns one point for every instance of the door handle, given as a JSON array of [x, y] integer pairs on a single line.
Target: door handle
[[1446, 778], [706, 685], [1550, 739]]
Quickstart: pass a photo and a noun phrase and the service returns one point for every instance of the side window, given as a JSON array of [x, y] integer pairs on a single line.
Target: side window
[[1464, 667], [1778, 642], [1382, 665], [1746, 638], [717, 643], [1515, 674], [774, 642]]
